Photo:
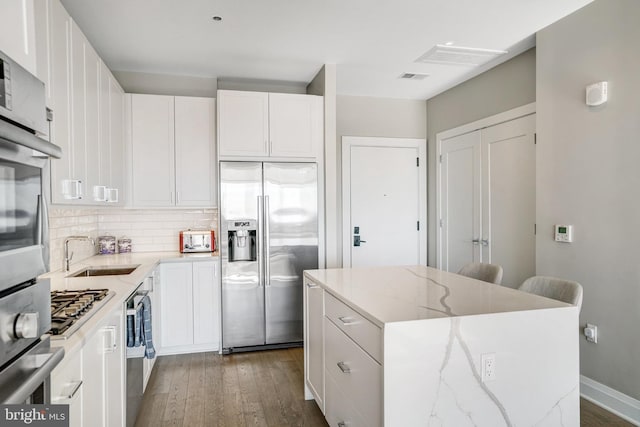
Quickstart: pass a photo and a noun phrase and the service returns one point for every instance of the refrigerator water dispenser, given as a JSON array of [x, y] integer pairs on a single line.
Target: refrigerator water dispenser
[[242, 240]]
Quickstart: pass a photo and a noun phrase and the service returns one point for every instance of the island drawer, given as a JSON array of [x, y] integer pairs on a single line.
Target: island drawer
[[355, 373], [339, 411], [362, 331]]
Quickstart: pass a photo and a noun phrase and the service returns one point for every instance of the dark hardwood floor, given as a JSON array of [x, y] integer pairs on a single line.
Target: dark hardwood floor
[[263, 388]]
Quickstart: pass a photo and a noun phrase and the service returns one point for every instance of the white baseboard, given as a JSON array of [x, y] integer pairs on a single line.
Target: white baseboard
[[624, 406]]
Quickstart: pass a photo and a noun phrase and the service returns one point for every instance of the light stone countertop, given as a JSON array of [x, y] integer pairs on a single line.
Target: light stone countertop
[[121, 286], [409, 293]]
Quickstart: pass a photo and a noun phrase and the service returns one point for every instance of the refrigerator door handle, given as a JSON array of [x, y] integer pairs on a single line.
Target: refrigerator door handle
[[267, 244], [260, 242]]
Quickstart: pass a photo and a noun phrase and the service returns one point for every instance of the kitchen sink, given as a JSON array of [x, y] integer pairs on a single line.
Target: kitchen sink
[[110, 270]]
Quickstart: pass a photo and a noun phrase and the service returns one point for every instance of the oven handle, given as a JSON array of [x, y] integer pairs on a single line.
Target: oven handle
[[33, 381], [43, 229]]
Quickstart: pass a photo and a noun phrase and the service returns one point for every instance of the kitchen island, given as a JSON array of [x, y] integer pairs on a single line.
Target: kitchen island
[[417, 346]]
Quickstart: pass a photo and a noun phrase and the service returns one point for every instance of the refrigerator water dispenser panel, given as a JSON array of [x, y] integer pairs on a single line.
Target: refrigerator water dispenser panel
[[242, 240]]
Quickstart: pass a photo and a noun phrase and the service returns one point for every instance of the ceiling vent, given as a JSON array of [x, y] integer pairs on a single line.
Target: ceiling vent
[[414, 76], [454, 55]]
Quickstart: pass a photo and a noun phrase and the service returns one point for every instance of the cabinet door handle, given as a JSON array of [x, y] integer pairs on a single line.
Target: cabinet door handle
[[112, 344], [342, 424], [112, 195], [74, 390], [311, 285], [344, 368], [100, 193], [346, 320]]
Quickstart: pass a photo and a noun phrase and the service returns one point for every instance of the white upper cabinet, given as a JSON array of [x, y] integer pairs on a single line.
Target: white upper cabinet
[[269, 125], [152, 150], [54, 69], [88, 111], [116, 163], [195, 151], [172, 151], [295, 125], [17, 32], [243, 121]]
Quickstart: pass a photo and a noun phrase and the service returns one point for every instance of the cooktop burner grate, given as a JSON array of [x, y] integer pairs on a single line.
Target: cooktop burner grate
[[69, 306]]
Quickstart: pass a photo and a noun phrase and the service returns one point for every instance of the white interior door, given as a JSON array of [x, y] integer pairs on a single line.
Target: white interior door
[[509, 206], [487, 198], [460, 204], [383, 202]]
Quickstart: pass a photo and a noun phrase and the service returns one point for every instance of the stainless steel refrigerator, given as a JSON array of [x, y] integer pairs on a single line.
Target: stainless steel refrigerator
[[268, 236]]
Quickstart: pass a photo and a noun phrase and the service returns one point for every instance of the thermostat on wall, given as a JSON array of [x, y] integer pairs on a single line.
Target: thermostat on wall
[[564, 233]]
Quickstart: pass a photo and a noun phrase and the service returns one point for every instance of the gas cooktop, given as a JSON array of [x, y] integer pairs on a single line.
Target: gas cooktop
[[71, 308]]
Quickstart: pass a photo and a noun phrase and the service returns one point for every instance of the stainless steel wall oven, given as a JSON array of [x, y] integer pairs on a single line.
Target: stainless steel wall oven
[[26, 358]]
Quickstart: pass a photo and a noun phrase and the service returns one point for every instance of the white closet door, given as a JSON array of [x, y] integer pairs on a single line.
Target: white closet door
[[508, 203], [460, 204]]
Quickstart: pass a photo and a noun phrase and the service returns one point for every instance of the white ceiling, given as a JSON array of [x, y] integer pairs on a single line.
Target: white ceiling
[[371, 41]]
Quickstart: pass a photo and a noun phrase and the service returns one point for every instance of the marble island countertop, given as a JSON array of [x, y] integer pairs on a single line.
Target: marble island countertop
[[406, 293], [121, 286]]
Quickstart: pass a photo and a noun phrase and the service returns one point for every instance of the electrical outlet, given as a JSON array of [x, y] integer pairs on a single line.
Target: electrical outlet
[[488, 367], [591, 332]]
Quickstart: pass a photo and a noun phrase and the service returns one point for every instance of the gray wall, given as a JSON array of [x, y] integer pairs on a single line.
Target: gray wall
[[381, 117], [164, 84], [588, 175], [509, 85]]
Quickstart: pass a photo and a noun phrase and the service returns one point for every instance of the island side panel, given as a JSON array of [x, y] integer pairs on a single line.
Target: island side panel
[[433, 370]]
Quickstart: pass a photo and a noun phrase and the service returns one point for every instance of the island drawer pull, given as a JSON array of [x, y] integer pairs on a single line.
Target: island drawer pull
[[346, 320], [342, 424], [344, 368]]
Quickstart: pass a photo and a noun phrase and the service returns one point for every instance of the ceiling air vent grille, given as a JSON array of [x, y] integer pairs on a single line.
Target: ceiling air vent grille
[[414, 76], [454, 55]]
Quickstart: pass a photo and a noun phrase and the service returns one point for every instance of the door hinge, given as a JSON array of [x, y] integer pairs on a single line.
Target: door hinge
[[417, 161], [441, 222], [440, 158], [418, 225], [535, 229], [535, 138]]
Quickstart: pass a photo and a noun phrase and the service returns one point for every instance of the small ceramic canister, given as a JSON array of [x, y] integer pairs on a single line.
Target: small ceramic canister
[[106, 245], [124, 245]]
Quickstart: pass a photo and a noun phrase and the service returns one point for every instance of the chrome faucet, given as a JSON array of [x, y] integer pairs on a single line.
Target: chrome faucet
[[68, 257]]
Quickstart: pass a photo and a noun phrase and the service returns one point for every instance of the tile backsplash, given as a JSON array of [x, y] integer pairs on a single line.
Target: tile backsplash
[[154, 229], [150, 230], [65, 222]]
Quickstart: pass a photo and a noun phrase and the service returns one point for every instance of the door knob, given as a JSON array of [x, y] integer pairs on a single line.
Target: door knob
[[485, 242]]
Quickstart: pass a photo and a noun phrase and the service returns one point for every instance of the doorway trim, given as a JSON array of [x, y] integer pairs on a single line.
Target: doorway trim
[[486, 122], [366, 141]]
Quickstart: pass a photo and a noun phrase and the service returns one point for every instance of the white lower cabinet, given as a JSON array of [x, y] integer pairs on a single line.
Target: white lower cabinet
[[355, 373], [67, 386], [343, 354], [91, 380], [314, 341], [189, 307]]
